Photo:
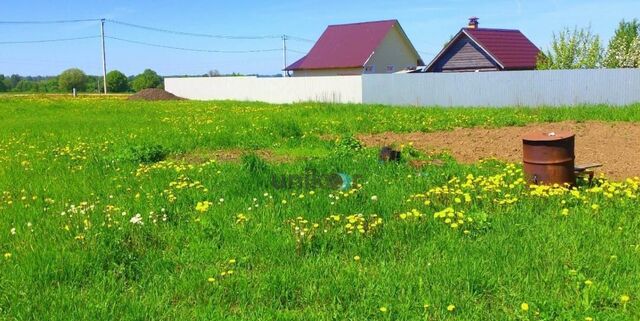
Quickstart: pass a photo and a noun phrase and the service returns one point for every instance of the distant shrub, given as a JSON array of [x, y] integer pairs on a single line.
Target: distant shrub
[[572, 49], [72, 78], [147, 79], [117, 82]]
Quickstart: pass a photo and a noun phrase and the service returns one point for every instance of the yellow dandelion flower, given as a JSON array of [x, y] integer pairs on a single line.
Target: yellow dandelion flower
[[451, 307], [588, 283], [383, 309], [211, 280], [7, 255], [232, 261], [356, 258], [524, 306], [624, 298]]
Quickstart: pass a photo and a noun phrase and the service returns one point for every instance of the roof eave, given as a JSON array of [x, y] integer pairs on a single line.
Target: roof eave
[[406, 38], [443, 50], [329, 67]]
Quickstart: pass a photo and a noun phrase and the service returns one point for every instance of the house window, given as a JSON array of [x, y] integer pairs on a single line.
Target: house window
[[369, 69], [390, 68]]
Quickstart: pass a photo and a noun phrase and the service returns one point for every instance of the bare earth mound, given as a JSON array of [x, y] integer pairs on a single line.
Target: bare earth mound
[[614, 144], [154, 94]]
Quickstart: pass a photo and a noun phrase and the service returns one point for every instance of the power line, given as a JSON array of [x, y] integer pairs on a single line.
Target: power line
[[190, 49], [48, 21], [299, 39], [296, 51], [190, 33], [184, 33], [47, 40]]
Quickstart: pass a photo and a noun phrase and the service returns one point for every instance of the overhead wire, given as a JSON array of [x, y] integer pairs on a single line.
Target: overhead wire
[[296, 51], [47, 40], [48, 21], [190, 49], [183, 33]]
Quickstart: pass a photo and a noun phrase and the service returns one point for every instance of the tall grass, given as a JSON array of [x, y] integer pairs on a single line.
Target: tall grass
[[100, 219]]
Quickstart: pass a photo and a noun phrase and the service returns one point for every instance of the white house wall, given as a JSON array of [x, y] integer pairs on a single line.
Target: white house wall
[[394, 50]]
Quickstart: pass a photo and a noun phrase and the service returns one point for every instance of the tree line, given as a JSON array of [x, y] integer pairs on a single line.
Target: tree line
[[579, 48], [117, 82]]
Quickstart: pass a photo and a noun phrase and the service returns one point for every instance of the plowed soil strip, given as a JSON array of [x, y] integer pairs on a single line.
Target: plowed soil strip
[[614, 144]]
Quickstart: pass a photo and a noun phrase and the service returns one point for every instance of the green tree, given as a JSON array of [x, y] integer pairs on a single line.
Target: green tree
[[117, 82], [72, 78], [50, 85], [25, 86], [624, 47], [573, 49], [147, 79], [3, 87]]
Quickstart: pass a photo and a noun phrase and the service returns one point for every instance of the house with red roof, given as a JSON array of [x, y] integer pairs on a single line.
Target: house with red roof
[[358, 48], [484, 49]]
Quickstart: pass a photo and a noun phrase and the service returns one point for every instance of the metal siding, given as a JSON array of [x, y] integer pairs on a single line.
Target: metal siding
[[339, 89], [490, 89], [513, 88]]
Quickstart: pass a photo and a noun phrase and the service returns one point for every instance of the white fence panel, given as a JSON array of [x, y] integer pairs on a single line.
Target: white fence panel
[[343, 89], [493, 89], [513, 88]]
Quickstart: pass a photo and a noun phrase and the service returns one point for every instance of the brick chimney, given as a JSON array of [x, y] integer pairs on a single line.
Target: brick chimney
[[473, 23]]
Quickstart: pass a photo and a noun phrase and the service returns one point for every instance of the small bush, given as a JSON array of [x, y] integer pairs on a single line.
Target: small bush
[[348, 142], [254, 164], [289, 129], [143, 154]]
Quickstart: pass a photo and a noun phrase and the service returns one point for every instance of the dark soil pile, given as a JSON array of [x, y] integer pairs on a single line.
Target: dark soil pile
[[154, 94]]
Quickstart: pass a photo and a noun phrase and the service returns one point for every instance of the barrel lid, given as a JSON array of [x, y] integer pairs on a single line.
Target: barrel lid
[[547, 136]]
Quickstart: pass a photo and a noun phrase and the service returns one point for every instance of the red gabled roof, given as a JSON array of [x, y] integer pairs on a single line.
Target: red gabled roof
[[345, 46], [509, 48]]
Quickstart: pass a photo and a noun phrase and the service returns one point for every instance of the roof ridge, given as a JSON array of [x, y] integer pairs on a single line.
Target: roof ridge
[[363, 22], [492, 29]]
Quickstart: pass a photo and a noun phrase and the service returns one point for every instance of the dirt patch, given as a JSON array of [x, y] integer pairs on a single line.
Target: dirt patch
[[614, 144], [200, 156], [154, 94]]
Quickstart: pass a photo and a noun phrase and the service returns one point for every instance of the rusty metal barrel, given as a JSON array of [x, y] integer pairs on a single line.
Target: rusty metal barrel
[[549, 157]]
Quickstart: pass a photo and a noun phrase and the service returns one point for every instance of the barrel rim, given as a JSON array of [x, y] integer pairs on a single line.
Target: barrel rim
[[544, 136]]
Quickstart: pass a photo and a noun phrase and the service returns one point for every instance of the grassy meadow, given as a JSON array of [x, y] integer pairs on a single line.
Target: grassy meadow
[[120, 210]]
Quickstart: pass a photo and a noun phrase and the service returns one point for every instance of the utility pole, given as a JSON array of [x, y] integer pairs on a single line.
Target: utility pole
[[104, 58], [284, 55]]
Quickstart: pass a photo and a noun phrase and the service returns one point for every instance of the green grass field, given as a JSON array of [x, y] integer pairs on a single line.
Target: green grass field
[[115, 210]]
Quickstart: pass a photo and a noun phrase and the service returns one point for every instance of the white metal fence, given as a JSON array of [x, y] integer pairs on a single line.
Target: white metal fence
[[344, 89], [513, 88]]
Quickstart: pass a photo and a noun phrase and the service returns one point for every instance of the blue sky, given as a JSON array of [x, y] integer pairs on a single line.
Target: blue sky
[[427, 23]]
